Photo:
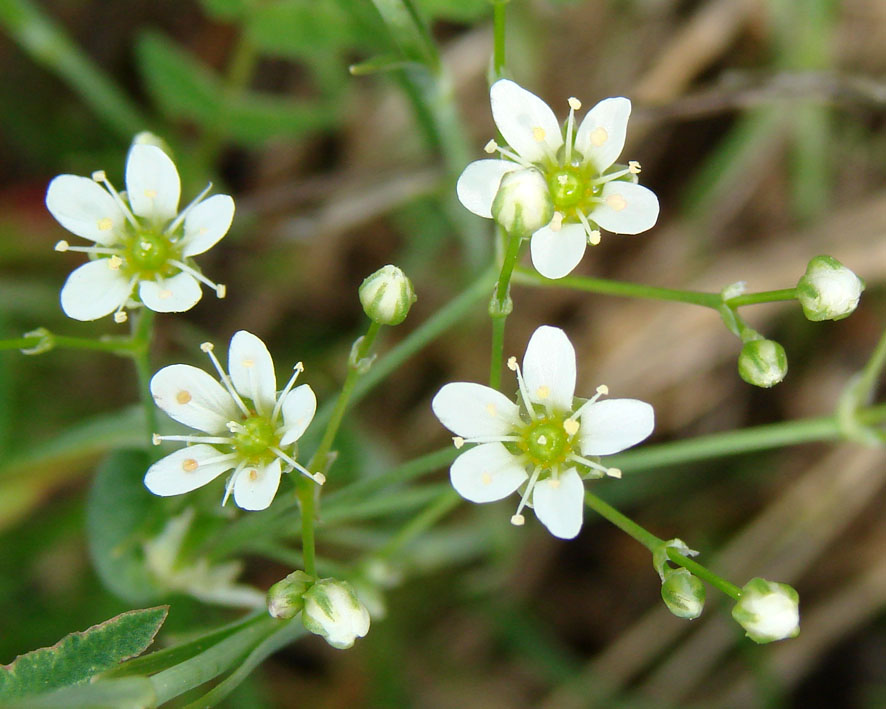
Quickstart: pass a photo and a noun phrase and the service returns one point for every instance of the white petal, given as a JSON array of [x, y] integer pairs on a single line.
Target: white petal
[[185, 470], [612, 425], [299, 408], [252, 370], [601, 135], [549, 368], [171, 295], [479, 182], [207, 223], [486, 473], [94, 290], [627, 208], [556, 253], [255, 487], [84, 208], [192, 397], [525, 121], [152, 183], [469, 409], [559, 504]]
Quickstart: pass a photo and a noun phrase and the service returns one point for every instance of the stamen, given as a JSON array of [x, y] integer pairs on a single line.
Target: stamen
[[526, 492], [62, 246], [614, 473], [602, 390], [184, 213], [574, 105], [318, 478], [235, 427], [518, 520], [298, 369], [156, 439], [571, 427], [191, 439], [219, 289], [120, 315], [208, 348], [489, 439], [588, 463], [556, 221], [229, 487], [100, 177], [592, 234], [610, 176], [521, 383], [490, 147], [634, 167], [458, 442]]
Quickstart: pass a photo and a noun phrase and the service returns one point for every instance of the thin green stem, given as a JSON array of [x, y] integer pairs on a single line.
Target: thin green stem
[[122, 346], [142, 336], [730, 589], [306, 492], [501, 306], [498, 52], [430, 515], [769, 296]]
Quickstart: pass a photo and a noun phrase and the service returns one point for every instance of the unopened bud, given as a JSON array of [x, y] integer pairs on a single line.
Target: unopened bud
[[762, 363], [523, 202], [333, 610], [387, 295], [286, 597], [145, 137], [768, 611], [683, 593], [828, 290]]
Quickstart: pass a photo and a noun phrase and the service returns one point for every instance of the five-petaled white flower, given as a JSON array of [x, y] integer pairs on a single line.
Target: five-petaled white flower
[[242, 417], [588, 190], [541, 443], [140, 241]]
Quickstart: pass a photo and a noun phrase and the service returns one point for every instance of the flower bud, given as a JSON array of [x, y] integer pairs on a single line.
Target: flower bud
[[145, 137], [683, 593], [762, 363], [387, 295], [768, 611], [333, 610], [523, 202], [828, 290], [286, 597]]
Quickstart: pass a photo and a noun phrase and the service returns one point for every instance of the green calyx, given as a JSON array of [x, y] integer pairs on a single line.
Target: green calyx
[[253, 443], [546, 442]]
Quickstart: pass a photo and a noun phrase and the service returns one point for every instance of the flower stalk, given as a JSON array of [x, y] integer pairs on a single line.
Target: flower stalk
[[500, 307]]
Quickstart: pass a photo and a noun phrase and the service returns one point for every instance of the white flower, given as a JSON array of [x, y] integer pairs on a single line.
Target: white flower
[[768, 611], [828, 290], [333, 610], [250, 427], [588, 190], [141, 244], [542, 443]]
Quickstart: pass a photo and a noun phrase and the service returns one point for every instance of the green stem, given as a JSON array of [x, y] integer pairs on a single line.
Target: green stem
[[141, 339], [730, 589], [48, 45], [501, 306], [498, 53], [122, 346], [769, 296], [860, 390], [439, 508]]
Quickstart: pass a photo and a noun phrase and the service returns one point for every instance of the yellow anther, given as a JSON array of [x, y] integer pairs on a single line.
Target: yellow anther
[[634, 167], [491, 410], [556, 221], [156, 439], [571, 426], [221, 290], [574, 103], [543, 392], [599, 136], [512, 363], [99, 176], [490, 147], [164, 294], [538, 133], [299, 367], [189, 465], [319, 478], [120, 316], [207, 346], [616, 202], [486, 478], [150, 194], [458, 442], [105, 224], [183, 397], [115, 262], [62, 246], [603, 390], [614, 473], [518, 520], [594, 237]]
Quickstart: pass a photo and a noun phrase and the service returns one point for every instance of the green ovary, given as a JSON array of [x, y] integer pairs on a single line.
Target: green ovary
[[546, 442], [567, 188], [148, 254], [254, 442]]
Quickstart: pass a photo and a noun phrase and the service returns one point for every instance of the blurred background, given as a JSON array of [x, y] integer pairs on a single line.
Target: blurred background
[[759, 124]]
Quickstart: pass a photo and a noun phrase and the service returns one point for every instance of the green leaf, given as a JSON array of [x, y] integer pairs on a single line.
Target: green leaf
[[456, 10], [117, 513], [185, 88], [300, 28], [129, 693], [78, 656], [226, 9]]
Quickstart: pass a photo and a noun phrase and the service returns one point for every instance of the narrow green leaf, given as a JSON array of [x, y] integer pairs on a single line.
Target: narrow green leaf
[[129, 693], [117, 512], [78, 656], [408, 31]]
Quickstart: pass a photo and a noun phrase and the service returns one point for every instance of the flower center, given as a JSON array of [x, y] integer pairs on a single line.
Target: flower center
[[567, 188], [546, 441], [148, 253], [255, 440]]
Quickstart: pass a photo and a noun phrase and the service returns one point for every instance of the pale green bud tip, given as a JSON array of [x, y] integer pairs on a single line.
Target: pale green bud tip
[[683, 593], [148, 138], [768, 611], [762, 363], [286, 597], [333, 611], [387, 295], [523, 202], [828, 290]]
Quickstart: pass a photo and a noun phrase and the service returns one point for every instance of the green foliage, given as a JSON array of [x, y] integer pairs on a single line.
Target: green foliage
[[117, 513], [226, 9], [456, 10], [79, 656], [129, 693], [300, 28], [183, 88]]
